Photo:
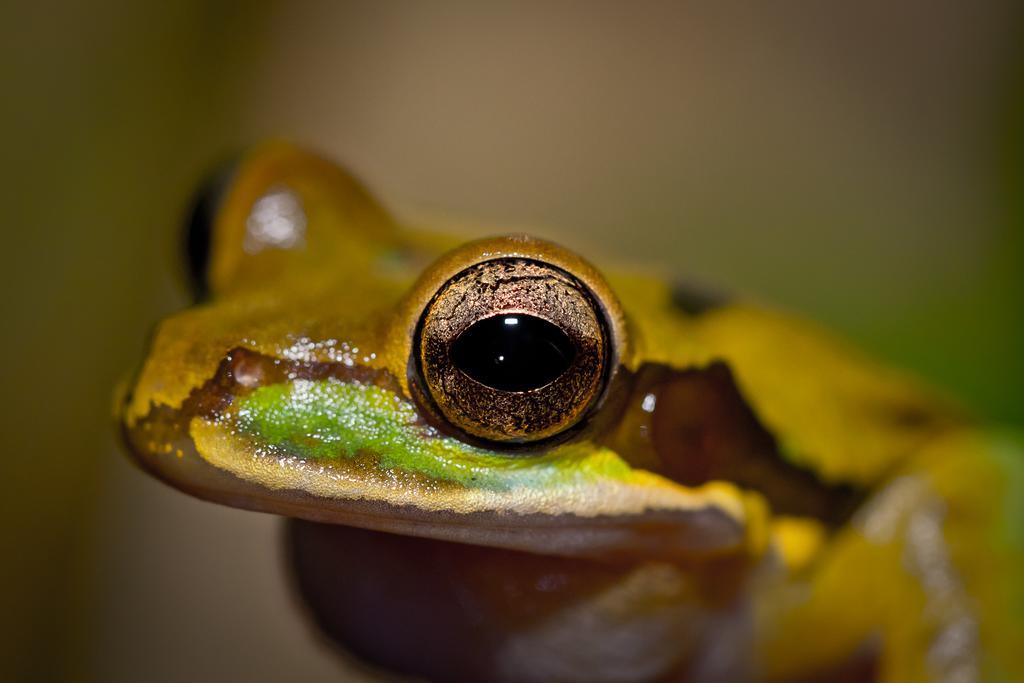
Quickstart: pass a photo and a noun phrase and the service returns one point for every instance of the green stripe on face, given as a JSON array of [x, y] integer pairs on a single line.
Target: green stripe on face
[[331, 421]]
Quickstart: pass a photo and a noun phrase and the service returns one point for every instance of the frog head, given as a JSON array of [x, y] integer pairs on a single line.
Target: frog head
[[341, 368]]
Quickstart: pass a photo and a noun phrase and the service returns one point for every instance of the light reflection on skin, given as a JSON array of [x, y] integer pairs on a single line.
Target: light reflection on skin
[[276, 221], [908, 509]]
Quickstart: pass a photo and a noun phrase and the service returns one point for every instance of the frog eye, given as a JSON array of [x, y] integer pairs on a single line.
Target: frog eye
[[513, 350], [277, 209], [199, 227]]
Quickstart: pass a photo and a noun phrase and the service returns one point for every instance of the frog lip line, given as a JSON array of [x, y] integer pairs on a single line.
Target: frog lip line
[[661, 535], [591, 496], [244, 371], [677, 535], [211, 399]]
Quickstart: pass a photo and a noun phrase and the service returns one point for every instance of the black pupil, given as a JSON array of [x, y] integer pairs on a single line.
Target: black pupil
[[513, 352]]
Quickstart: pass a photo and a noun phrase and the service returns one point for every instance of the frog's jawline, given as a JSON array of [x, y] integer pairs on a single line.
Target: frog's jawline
[[654, 535], [162, 445], [787, 487]]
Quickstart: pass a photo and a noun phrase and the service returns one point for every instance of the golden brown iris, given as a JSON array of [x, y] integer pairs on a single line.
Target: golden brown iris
[[513, 350]]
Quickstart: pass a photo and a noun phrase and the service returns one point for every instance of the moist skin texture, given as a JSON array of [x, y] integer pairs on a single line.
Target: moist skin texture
[[745, 498]]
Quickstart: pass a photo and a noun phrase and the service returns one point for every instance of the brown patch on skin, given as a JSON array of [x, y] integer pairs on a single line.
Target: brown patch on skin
[[243, 371], [694, 426], [512, 286]]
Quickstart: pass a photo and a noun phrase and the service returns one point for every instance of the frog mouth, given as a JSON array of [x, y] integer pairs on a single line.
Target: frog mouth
[[274, 436]]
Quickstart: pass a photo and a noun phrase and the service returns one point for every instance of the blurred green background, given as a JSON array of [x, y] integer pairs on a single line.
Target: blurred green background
[[862, 163]]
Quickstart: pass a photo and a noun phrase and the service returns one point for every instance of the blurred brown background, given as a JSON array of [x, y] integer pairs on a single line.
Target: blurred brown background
[[859, 162]]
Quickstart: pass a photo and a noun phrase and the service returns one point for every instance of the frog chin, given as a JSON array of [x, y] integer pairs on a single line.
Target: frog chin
[[456, 612]]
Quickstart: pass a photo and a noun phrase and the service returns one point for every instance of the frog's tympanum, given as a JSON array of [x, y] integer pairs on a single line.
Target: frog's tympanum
[[501, 464]]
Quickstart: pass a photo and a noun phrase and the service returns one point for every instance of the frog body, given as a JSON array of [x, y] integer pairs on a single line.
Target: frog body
[[667, 488]]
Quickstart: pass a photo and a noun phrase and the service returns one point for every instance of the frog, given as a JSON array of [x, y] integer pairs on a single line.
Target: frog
[[499, 463]]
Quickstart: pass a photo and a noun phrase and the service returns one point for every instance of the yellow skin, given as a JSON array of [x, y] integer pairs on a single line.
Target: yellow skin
[[925, 575]]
